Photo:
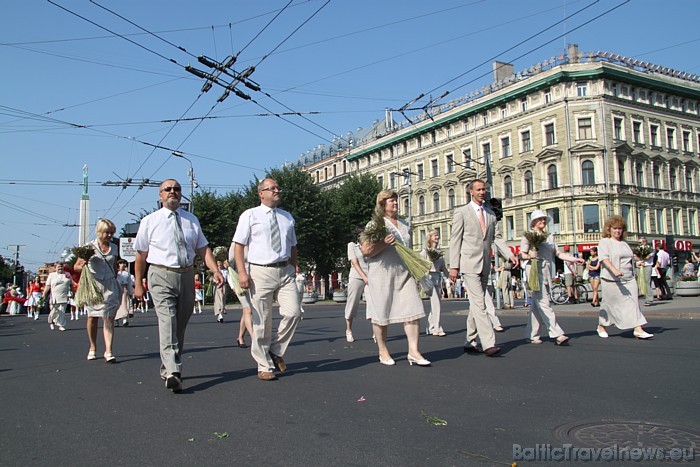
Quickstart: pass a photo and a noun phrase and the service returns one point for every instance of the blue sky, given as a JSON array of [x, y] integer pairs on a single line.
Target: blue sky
[[76, 93]]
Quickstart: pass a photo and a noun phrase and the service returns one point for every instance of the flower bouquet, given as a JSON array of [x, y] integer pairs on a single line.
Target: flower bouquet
[[418, 267], [535, 239], [641, 252], [234, 283], [88, 293], [221, 253]]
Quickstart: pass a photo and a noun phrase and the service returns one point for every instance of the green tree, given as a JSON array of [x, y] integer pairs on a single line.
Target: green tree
[[216, 215], [7, 270]]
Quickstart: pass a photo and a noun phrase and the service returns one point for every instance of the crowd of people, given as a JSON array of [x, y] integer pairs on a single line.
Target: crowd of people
[[264, 268]]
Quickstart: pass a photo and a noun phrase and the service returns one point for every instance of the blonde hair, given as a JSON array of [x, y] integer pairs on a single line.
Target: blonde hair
[[429, 239], [614, 221], [105, 225], [381, 201]]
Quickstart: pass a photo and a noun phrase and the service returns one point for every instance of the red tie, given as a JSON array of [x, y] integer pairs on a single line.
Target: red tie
[[482, 221]]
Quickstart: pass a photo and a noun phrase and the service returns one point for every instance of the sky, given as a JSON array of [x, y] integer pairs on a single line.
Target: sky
[[104, 83]]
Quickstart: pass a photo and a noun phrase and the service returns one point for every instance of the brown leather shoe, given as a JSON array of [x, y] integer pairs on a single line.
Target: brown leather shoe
[[266, 376], [279, 362], [473, 349], [492, 351]]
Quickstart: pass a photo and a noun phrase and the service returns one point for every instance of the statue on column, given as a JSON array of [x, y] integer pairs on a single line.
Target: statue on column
[[85, 180]]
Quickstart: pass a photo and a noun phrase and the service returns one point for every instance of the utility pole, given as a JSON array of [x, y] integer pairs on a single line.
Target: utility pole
[[17, 247], [190, 173]]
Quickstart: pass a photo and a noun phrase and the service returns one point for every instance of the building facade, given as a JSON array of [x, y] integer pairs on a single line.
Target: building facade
[[581, 136]]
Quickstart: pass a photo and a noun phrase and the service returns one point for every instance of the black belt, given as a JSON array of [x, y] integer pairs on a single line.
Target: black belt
[[279, 264]]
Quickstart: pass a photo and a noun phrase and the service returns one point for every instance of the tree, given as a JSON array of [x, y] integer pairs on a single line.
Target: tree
[[7, 270], [217, 216]]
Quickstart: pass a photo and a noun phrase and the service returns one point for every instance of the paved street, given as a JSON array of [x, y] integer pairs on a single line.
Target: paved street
[[337, 404]]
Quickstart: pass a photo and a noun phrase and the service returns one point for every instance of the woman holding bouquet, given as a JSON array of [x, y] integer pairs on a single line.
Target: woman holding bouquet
[[393, 291], [539, 248], [102, 266], [431, 253], [621, 305]]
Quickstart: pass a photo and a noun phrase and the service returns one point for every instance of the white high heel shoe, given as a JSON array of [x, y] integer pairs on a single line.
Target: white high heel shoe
[[389, 362], [603, 333], [417, 361]]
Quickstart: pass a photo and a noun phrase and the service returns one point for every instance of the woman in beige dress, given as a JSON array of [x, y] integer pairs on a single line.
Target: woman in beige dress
[[436, 271], [102, 265], [393, 292], [620, 305]]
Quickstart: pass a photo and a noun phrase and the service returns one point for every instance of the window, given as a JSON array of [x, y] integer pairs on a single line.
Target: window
[[554, 226], [625, 213], [485, 118], [504, 111], [392, 180], [486, 151], [617, 129], [637, 132], [614, 89], [467, 156], [380, 179], [505, 147], [526, 142], [523, 104], [688, 180], [450, 163], [528, 182], [419, 171], [621, 171], [552, 180], [510, 228], [642, 220], [585, 128], [657, 176], [639, 169], [587, 173], [405, 205], [686, 142], [581, 89], [672, 178], [591, 218], [548, 96], [671, 138], [421, 205], [676, 221], [549, 134], [434, 168], [660, 224], [691, 222], [654, 135], [451, 198], [436, 202], [507, 187]]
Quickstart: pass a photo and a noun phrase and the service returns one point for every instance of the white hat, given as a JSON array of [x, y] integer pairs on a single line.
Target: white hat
[[538, 214]]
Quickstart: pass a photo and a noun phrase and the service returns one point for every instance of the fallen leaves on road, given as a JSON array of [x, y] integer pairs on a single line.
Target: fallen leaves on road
[[221, 435], [433, 420]]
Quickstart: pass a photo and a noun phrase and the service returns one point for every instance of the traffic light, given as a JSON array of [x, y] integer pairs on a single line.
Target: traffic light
[[497, 207]]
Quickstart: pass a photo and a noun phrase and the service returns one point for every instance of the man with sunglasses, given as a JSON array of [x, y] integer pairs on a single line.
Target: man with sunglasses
[[168, 240], [269, 234]]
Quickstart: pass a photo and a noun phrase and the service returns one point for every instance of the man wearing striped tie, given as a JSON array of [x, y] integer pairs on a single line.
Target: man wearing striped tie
[[474, 230], [269, 234]]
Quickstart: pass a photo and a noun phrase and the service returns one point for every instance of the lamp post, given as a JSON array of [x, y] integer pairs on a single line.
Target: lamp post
[[190, 173]]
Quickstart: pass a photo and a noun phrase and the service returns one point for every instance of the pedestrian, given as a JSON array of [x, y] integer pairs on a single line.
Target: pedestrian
[[357, 282], [620, 306], [34, 290], [474, 230], [167, 241], [59, 284], [246, 323], [143, 304], [220, 293], [198, 294], [269, 234], [542, 257], [126, 287], [663, 262], [432, 253], [393, 292], [647, 264], [102, 266], [570, 278], [593, 268], [506, 285]]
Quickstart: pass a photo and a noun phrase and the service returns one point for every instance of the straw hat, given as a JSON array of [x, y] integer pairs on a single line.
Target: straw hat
[[538, 214]]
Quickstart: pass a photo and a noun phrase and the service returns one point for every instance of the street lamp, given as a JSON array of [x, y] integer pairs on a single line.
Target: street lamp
[[190, 173]]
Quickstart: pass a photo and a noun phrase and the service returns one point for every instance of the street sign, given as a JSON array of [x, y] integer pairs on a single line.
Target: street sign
[[126, 250]]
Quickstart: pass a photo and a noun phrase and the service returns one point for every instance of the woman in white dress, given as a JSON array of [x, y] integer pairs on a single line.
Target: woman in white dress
[[34, 291], [102, 265], [432, 254], [540, 309], [357, 281], [620, 305], [393, 292], [126, 286]]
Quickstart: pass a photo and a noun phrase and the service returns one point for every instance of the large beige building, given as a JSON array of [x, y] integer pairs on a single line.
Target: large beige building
[[581, 136]]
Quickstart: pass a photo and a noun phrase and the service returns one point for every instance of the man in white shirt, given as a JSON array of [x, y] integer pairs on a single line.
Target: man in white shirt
[[59, 284], [663, 261], [269, 234], [168, 240]]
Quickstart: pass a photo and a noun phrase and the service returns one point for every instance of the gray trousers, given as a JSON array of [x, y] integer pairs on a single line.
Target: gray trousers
[[478, 323], [650, 284], [173, 299], [355, 289], [265, 284]]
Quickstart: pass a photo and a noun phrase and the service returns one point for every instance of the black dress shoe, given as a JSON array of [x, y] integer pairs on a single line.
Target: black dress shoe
[[492, 351], [472, 349]]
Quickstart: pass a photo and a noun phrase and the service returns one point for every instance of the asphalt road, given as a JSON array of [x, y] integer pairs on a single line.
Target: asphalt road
[[336, 404]]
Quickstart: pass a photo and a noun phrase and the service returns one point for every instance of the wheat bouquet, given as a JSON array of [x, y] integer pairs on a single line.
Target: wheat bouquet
[[88, 293], [535, 239]]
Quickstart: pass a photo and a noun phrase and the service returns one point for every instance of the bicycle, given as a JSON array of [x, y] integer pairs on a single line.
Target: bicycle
[[559, 293]]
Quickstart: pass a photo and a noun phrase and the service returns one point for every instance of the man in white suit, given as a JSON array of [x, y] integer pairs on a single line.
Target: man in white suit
[[474, 230]]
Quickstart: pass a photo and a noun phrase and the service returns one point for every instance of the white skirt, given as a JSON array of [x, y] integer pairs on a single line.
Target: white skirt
[[33, 299]]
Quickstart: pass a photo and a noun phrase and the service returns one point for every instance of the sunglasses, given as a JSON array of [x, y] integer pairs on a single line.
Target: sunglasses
[[168, 189], [272, 188]]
